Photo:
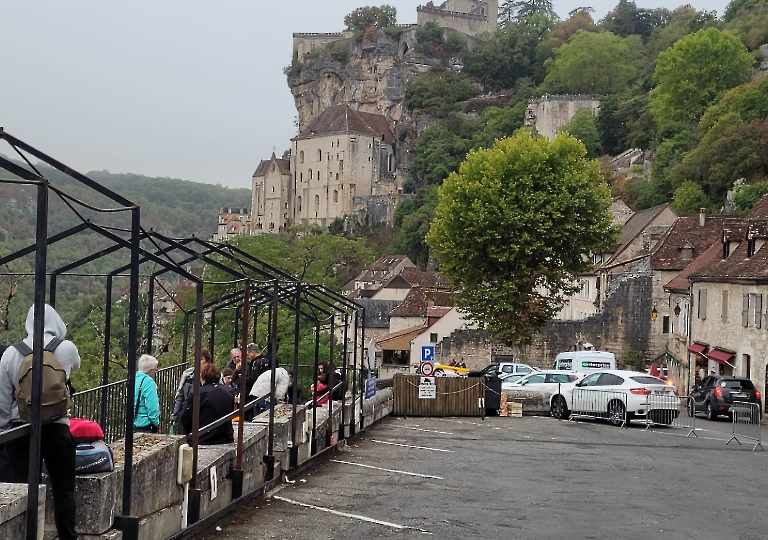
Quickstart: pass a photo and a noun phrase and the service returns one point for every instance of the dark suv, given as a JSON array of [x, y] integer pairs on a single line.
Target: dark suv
[[716, 394]]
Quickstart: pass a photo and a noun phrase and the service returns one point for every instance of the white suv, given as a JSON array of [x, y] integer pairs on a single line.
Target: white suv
[[616, 396]]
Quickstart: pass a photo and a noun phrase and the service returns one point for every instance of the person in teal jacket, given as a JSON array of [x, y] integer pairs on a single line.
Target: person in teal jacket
[[146, 413]]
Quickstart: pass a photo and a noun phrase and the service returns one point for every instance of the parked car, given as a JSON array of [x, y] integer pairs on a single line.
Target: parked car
[[508, 367], [716, 394], [509, 377], [545, 380], [443, 370], [630, 390]]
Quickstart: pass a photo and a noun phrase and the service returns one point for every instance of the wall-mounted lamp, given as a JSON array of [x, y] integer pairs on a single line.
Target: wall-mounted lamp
[[677, 310], [654, 313]]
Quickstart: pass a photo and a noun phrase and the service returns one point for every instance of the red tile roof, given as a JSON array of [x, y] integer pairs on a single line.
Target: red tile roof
[[760, 210], [737, 266], [686, 232]]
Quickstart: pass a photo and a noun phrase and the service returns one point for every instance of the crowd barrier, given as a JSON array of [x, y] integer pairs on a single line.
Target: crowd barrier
[[746, 423], [671, 411], [606, 404]]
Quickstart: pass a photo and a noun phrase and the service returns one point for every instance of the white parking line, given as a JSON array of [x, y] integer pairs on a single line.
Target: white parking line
[[387, 470], [426, 430], [353, 516], [412, 446]]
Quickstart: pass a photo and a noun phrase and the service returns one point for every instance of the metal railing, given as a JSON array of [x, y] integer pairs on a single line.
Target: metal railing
[[671, 411], [105, 405], [746, 423], [603, 404]]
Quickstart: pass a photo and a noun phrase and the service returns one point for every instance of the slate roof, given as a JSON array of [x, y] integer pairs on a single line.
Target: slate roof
[[687, 231], [377, 312], [344, 119], [412, 276], [737, 266], [680, 283], [283, 165], [633, 228], [417, 301], [760, 210]]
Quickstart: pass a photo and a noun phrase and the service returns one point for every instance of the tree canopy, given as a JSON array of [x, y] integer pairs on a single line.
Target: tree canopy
[[512, 226], [696, 72], [590, 64], [371, 16]]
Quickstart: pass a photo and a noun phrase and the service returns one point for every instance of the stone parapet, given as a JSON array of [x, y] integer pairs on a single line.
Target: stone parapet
[[13, 510]]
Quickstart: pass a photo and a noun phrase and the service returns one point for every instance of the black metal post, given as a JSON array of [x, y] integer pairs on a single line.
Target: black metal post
[[211, 336], [294, 452], [237, 477], [35, 437], [235, 327], [313, 444], [105, 365], [331, 384], [342, 434], [193, 512], [150, 315], [270, 457], [52, 290]]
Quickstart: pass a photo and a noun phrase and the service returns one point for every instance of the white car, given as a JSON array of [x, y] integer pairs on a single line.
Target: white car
[[616, 396], [545, 381]]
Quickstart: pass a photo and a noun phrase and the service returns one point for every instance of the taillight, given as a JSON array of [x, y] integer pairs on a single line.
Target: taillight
[[757, 394], [640, 391], [669, 382], [718, 392]]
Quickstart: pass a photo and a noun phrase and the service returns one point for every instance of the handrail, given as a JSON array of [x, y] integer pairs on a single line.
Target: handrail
[[14, 433], [228, 417]]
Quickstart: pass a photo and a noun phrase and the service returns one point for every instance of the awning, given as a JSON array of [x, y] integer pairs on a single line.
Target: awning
[[698, 348], [720, 355], [400, 341]]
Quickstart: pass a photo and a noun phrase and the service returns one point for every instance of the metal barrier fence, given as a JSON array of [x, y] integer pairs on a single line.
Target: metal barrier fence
[[746, 423], [605, 404], [105, 405], [671, 411]]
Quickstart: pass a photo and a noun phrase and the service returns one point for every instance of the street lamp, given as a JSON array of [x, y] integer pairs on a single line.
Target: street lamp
[[654, 313]]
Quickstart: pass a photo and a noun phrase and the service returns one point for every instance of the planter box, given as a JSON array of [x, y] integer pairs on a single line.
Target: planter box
[[13, 510], [153, 480]]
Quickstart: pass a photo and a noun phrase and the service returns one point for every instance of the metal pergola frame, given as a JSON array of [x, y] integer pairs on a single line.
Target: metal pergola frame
[[269, 286]]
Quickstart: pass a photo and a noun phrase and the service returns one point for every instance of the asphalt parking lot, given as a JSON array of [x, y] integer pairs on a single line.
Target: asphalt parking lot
[[522, 478]]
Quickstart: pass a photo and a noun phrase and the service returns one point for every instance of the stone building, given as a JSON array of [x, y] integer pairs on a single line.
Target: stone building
[[271, 200], [232, 221], [549, 113], [471, 17]]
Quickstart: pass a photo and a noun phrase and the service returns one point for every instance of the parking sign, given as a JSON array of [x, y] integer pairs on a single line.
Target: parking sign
[[427, 353]]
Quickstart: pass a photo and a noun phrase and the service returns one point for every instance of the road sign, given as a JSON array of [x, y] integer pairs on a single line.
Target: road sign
[[428, 380], [427, 353], [370, 388], [427, 369], [427, 391]]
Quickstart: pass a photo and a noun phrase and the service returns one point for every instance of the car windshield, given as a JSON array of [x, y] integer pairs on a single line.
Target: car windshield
[[647, 380], [737, 385]]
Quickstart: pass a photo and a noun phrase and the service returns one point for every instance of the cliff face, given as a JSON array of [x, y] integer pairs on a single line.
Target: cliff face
[[371, 80]]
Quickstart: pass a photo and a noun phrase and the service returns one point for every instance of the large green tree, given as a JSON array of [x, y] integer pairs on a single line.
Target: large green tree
[[512, 226], [371, 16], [696, 72], [590, 64]]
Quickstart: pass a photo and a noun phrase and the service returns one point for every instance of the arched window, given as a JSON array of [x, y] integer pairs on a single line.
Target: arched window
[[298, 202], [391, 162], [335, 196], [319, 155], [301, 177], [310, 174], [317, 203], [301, 156], [337, 176]]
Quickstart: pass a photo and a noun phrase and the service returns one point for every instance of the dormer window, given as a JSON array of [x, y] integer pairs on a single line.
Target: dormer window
[[750, 248], [726, 249], [686, 252]]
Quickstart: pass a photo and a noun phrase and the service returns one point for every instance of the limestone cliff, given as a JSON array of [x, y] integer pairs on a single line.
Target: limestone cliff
[[372, 79]]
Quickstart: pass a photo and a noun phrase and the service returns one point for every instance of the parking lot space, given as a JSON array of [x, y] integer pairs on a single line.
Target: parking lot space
[[532, 477]]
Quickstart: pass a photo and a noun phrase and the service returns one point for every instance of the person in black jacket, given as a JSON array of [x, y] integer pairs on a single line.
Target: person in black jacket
[[216, 401]]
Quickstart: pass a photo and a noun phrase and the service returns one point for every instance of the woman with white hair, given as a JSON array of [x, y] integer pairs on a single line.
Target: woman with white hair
[[146, 411]]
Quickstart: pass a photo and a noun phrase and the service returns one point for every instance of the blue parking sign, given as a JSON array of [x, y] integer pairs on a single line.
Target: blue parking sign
[[427, 353]]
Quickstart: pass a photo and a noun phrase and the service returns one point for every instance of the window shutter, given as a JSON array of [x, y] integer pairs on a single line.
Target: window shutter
[[725, 306], [758, 310], [702, 303], [744, 310]]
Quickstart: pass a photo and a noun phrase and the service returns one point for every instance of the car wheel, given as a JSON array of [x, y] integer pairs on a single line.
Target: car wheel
[[559, 408], [711, 415], [616, 413], [691, 408]]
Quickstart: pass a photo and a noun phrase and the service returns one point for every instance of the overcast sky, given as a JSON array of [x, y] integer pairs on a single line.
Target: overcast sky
[[187, 89]]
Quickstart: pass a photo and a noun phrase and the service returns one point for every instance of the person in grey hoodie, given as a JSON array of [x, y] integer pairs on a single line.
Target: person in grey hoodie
[[57, 447]]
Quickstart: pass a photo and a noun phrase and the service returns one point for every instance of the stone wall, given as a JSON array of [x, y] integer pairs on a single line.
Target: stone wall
[[550, 113], [623, 324], [463, 22]]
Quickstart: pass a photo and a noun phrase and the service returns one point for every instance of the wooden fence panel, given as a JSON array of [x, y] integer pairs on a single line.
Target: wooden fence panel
[[456, 396]]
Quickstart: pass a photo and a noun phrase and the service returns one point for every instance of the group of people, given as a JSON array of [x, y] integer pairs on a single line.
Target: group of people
[[219, 394], [459, 364]]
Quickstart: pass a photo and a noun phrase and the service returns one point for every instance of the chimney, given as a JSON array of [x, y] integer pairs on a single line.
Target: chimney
[[702, 216]]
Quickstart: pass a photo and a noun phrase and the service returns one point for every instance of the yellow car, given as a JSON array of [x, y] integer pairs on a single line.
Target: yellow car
[[441, 370]]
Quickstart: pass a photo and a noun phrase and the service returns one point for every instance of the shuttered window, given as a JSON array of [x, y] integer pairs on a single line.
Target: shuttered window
[[744, 310], [757, 306], [724, 315], [702, 304]]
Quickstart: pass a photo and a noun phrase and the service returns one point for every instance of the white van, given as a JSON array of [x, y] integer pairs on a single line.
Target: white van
[[585, 361]]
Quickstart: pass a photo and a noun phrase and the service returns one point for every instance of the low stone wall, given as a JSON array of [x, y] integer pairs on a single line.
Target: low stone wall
[[157, 499]]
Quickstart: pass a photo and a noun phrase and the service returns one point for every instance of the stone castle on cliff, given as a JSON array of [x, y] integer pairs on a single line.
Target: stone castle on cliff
[[347, 162]]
